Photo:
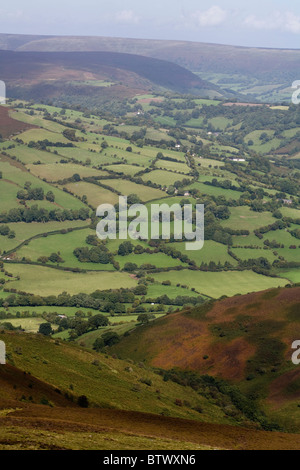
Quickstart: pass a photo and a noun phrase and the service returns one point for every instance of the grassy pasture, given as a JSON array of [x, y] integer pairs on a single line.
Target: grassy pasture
[[292, 275], [160, 260], [212, 251], [8, 193], [47, 281], [208, 162], [165, 121], [258, 145], [30, 325], [25, 231], [42, 134], [248, 253], [127, 187], [65, 244], [290, 212], [157, 289], [242, 218], [216, 284], [215, 191], [38, 121], [173, 166], [165, 178], [31, 155], [59, 171], [96, 195], [123, 168], [19, 178]]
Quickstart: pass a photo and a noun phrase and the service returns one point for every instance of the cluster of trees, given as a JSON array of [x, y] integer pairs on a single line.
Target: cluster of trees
[[125, 248], [180, 300], [36, 194], [43, 144], [104, 301], [79, 326], [5, 231], [36, 214], [107, 339], [278, 225], [295, 233], [97, 254], [53, 258]]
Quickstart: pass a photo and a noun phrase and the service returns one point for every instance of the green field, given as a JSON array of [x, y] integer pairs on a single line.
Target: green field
[[95, 194], [212, 251], [30, 325], [173, 166], [126, 169], [41, 134], [25, 231], [48, 281], [215, 191], [65, 244], [127, 187], [18, 177], [57, 171], [216, 284], [160, 260], [164, 178], [31, 155], [242, 218], [292, 275]]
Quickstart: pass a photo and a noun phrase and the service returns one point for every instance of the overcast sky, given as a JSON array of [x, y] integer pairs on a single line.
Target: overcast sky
[[265, 23]]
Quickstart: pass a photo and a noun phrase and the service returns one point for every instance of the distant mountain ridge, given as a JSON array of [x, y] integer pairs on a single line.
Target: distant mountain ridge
[[31, 69], [194, 55], [262, 73]]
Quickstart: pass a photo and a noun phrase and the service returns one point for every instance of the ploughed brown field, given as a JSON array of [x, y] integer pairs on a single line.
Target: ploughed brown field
[[9, 126]]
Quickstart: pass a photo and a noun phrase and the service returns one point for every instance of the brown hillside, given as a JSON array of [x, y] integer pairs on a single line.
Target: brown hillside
[[15, 384], [41, 427], [244, 337]]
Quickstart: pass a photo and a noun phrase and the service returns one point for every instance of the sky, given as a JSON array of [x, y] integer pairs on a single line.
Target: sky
[[259, 23]]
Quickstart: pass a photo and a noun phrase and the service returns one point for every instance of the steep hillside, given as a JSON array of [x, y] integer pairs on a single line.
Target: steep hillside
[[57, 373], [245, 339], [45, 74], [130, 406]]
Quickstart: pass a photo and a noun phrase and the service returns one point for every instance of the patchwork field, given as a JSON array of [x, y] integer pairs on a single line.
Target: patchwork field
[[96, 195], [222, 283], [47, 281]]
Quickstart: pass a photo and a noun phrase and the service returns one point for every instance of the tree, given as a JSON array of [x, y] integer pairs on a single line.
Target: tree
[[50, 196], [70, 134], [98, 344], [110, 338], [133, 199], [130, 267], [45, 329], [55, 258], [125, 248], [98, 321], [140, 290], [83, 401], [145, 318], [76, 177]]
